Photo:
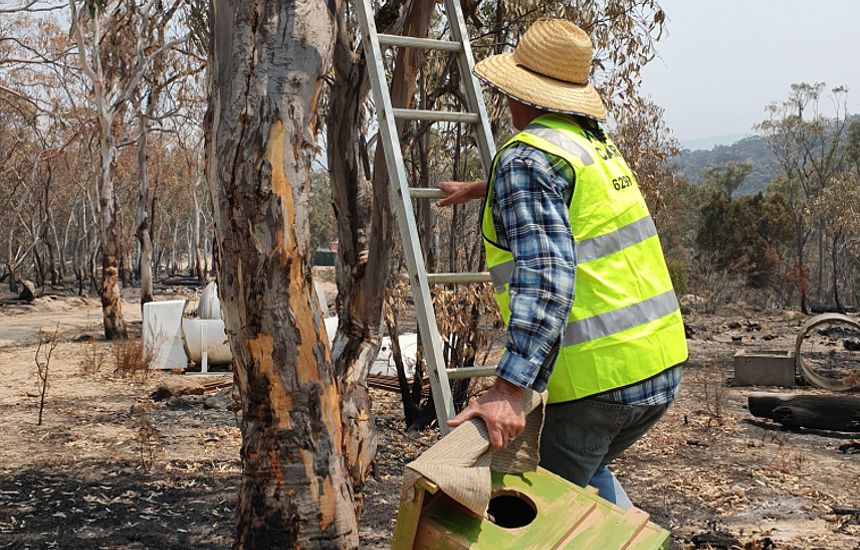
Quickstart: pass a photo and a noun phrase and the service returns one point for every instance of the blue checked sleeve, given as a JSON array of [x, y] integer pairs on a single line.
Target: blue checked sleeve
[[530, 212]]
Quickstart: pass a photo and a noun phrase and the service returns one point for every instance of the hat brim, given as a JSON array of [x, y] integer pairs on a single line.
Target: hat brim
[[503, 73]]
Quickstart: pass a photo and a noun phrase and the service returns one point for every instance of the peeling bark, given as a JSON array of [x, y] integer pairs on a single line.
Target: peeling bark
[[267, 60], [364, 236], [364, 224]]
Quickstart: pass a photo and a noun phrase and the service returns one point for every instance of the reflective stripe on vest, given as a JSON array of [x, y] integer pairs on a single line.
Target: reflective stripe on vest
[[625, 323], [617, 320], [590, 249], [560, 139]]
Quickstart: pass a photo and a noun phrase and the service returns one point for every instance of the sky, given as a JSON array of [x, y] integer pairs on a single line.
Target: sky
[[724, 61]]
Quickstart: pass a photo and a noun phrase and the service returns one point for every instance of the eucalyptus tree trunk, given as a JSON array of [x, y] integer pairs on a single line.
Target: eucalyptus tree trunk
[[267, 62], [10, 265], [109, 291], [171, 270], [834, 257], [364, 227], [48, 227], [144, 238], [364, 236], [64, 248], [800, 247], [106, 106], [195, 251]]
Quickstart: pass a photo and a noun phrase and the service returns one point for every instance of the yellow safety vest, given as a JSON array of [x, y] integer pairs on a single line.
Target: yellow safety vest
[[625, 324]]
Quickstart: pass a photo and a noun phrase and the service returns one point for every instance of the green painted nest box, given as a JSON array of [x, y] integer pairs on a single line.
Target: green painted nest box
[[533, 510]]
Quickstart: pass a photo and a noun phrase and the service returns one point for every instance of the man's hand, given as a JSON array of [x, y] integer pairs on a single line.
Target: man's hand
[[501, 408], [461, 191]]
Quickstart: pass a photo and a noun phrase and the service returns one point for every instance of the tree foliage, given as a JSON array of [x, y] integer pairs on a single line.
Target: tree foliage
[[743, 234]]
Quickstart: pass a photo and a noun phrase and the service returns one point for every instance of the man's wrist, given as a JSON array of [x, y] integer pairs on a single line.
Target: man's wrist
[[509, 388], [478, 189]]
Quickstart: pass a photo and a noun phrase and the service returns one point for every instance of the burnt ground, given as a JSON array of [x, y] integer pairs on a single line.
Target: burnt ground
[[110, 468]]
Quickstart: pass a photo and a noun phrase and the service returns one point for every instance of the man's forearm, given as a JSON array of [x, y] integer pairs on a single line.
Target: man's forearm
[[532, 207]]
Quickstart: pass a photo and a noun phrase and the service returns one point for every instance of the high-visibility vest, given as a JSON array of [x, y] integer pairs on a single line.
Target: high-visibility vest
[[625, 323]]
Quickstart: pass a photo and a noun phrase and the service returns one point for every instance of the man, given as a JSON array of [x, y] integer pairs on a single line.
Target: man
[[579, 273]]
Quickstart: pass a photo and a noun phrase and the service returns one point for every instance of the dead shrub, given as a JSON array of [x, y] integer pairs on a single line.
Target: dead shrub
[[145, 438], [131, 359], [47, 344], [714, 393], [94, 355], [716, 287], [785, 459]]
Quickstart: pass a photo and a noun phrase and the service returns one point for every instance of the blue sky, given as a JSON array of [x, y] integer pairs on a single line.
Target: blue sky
[[724, 61]]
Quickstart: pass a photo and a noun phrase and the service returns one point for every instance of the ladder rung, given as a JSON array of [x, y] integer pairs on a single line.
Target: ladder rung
[[455, 278], [424, 43], [447, 116], [470, 372], [426, 193]]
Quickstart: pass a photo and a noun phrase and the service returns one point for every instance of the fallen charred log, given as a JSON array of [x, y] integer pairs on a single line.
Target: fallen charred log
[[820, 412]]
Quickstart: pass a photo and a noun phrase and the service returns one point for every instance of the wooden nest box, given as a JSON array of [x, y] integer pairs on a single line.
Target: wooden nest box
[[533, 510]]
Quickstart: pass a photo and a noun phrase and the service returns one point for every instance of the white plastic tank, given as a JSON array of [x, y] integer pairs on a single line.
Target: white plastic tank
[[210, 305], [206, 342]]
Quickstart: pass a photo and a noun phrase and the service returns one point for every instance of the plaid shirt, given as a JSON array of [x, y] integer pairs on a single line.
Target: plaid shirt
[[531, 192]]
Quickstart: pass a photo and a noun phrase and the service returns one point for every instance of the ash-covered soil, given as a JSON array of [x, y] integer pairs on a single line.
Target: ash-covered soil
[[110, 468]]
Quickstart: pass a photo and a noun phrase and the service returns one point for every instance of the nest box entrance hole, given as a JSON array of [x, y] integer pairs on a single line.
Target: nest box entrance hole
[[510, 509]]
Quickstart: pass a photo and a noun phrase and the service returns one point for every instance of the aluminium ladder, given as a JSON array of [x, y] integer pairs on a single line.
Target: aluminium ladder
[[401, 194]]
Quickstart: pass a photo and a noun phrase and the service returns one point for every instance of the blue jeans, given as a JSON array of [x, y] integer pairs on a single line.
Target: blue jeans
[[581, 437], [608, 487]]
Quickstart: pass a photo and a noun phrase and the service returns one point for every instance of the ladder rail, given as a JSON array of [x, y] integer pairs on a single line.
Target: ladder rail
[[436, 116], [424, 43], [400, 200], [469, 83], [401, 194], [458, 278]]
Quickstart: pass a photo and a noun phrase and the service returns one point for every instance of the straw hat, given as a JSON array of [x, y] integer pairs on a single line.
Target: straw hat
[[549, 69]]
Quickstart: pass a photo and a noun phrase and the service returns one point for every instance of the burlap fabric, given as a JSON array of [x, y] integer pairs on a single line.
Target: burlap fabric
[[460, 463]]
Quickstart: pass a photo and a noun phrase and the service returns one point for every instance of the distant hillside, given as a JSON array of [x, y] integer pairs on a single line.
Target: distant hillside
[[708, 143], [692, 164]]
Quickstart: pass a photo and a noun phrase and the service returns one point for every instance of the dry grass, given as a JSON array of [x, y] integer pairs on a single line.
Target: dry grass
[[145, 438], [714, 398], [94, 355], [131, 359], [786, 459]]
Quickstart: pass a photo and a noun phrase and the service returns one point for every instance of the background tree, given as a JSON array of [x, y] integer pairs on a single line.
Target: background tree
[[809, 148], [102, 45], [742, 235], [838, 206]]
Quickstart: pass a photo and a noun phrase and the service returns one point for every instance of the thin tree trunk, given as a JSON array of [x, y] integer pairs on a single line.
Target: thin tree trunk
[[10, 267], [155, 238], [267, 62], [189, 251], [197, 252], [47, 225], [363, 218], [109, 291], [172, 269], [65, 246], [141, 217], [819, 291], [801, 268], [364, 234], [38, 265], [834, 253]]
